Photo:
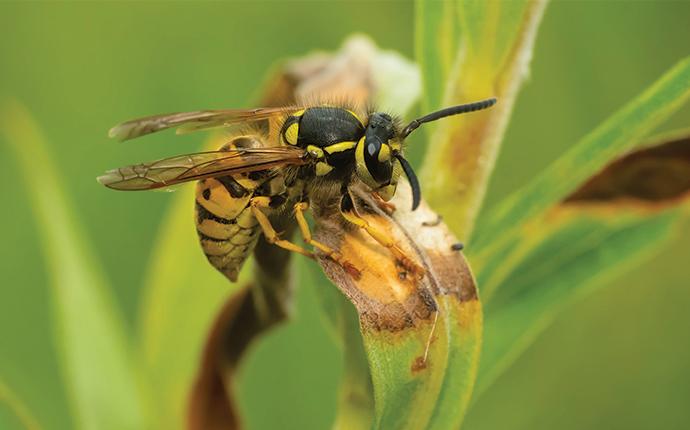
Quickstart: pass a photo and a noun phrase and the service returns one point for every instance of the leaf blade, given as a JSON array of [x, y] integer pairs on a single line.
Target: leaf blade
[[491, 61], [621, 132], [609, 250], [14, 411], [619, 216], [90, 333]]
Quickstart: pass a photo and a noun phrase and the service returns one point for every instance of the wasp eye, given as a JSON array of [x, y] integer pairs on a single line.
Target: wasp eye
[[379, 170], [373, 149]]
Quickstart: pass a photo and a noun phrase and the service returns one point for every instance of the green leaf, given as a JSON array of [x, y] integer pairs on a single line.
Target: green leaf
[[355, 405], [622, 214], [490, 59], [95, 357], [620, 133], [437, 34], [579, 253], [436, 397], [356, 392], [13, 412]]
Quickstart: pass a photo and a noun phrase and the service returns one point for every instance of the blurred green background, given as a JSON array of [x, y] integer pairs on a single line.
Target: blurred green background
[[619, 359]]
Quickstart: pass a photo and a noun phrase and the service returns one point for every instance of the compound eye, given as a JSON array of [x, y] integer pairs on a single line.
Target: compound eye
[[379, 170]]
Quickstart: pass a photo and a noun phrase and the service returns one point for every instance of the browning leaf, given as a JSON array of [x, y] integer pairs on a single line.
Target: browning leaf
[[422, 336], [656, 176]]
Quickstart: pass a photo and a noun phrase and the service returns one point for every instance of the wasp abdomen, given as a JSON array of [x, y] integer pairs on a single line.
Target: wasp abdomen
[[227, 229]]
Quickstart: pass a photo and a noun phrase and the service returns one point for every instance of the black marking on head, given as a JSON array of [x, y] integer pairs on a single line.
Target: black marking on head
[[457, 246], [206, 193], [379, 132]]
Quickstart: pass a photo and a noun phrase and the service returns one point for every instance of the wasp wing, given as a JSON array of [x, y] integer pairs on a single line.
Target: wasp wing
[[200, 165], [192, 121]]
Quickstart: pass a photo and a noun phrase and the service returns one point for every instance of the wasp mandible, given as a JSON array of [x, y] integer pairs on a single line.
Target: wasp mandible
[[302, 158]]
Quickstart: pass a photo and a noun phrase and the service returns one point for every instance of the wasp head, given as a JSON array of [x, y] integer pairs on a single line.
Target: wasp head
[[378, 153]]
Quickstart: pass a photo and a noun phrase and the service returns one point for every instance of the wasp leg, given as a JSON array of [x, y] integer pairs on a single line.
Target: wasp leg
[[348, 212], [331, 253], [385, 206], [257, 203]]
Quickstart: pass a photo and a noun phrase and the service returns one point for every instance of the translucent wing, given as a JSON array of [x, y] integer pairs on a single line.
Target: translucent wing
[[191, 167], [192, 121]]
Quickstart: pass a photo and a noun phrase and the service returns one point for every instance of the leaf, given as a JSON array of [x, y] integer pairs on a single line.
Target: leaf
[[437, 36], [95, 357], [422, 336], [620, 133], [491, 58], [13, 412], [356, 393], [620, 216]]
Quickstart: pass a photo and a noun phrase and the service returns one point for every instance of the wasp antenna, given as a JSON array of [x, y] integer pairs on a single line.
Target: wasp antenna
[[453, 110], [414, 182]]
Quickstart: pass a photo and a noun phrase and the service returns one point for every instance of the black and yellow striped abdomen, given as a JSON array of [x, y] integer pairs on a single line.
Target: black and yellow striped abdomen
[[226, 226]]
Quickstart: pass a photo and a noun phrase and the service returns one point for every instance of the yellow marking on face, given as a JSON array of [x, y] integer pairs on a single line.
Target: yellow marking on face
[[291, 134], [384, 153], [315, 151], [299, 113], [362, 170], [323, 168], [340, 147]]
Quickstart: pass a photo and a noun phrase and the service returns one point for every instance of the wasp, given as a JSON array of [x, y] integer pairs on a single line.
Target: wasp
[[301, 158]]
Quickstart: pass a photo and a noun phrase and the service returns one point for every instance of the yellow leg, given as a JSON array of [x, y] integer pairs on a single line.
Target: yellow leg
[[403, 260], [257, 203], [334, 255], [385, 206]]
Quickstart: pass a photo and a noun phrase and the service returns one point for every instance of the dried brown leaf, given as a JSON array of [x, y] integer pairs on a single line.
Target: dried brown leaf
[[655, 177]]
